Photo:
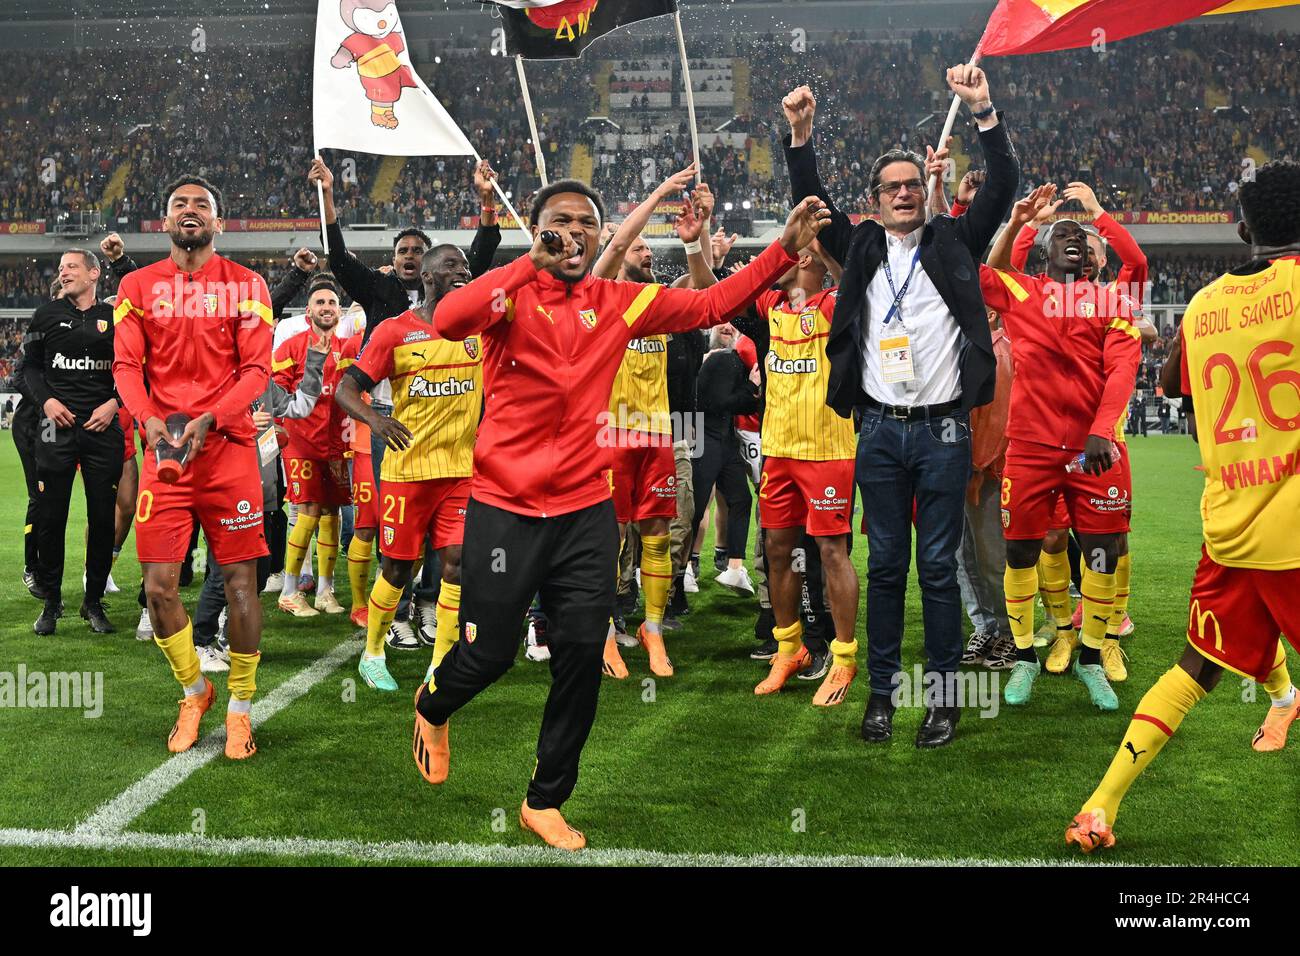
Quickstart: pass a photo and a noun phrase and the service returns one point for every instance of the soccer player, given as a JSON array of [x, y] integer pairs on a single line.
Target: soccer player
[[807, 474], [365, 506], [644, 475], [193, 339], [1082, 344], [424, 484], [539, 518], [316, 470], [1241, 367]]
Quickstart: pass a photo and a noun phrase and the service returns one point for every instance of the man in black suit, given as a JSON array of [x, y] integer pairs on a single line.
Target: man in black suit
[[910, 351]]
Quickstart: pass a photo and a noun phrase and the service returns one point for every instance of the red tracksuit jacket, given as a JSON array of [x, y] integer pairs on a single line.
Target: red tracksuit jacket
[[202, 342], [551, 350]]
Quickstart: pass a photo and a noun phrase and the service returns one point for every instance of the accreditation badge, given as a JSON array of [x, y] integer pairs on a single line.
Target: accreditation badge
[[896, 359]]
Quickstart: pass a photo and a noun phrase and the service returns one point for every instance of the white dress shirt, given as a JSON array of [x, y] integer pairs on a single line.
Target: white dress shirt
[[926, 320]]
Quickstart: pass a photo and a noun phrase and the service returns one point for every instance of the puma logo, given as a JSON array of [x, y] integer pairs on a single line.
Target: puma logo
[[1104, 620], [549, 317], [420, 356], [1128, 745], [1015, 618]]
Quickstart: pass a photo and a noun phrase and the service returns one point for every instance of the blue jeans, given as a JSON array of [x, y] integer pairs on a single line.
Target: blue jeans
[[898, 463]]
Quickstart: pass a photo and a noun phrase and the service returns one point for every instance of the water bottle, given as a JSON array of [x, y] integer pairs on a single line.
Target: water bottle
[[171, 460], [1077, 462]]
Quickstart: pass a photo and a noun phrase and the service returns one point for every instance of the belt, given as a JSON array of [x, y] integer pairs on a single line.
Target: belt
[[912, 413]]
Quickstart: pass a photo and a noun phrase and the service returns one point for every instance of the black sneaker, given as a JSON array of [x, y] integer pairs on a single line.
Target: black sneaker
[[620, 623], [33, 588], [765, 651], [46, 623], [93, 612], [1002, 655], [720, 559], [821, 663], [671, 623], [763, 626], [978, 647]]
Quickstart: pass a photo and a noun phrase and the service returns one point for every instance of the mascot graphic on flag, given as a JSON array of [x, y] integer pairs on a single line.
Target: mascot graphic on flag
[[374, 46]]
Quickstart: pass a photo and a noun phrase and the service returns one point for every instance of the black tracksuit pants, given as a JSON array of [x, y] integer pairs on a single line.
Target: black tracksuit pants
[[570, 562], [25, 426], [100, 457], [720, 464]]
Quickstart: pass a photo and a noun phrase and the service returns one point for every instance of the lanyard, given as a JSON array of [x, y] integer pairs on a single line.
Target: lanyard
[[899, 293]]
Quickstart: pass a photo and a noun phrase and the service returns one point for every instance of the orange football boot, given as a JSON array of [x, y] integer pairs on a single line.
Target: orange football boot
[[431, 746], [550, 826], [186, 729], [613, 665], [239, 736], [660, 665], [360, 616], [783, 668], [1089, 831], [836, 685], [1272, 735]]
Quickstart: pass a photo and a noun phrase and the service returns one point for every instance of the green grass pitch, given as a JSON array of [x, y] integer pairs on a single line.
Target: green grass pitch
[[699, 766]]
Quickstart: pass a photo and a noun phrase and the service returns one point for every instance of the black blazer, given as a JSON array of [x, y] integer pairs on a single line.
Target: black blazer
[[951, 250]]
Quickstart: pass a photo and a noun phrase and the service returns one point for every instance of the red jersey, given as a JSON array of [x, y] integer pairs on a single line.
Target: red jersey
[[551, 350], [191, 343], [749, 355], [319, 436], [1075, 353], [1132, 276]]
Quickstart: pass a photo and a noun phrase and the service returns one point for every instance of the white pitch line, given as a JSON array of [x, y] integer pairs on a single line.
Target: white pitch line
[[411, 851], [118, 813]]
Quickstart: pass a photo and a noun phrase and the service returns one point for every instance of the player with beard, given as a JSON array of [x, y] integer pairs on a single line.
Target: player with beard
[[313, 458], [1080, 340], [644, 475], [193, 340], [438, 397], [539, 518]]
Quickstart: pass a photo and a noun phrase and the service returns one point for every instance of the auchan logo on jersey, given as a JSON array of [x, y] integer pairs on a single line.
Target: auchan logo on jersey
[[803, 366], [421, 387], [63, 363]]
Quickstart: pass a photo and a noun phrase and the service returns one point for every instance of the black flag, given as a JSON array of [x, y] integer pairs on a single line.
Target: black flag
[[559, 29]]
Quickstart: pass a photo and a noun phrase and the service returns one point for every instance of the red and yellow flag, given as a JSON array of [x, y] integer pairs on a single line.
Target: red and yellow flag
[[1040, 26]]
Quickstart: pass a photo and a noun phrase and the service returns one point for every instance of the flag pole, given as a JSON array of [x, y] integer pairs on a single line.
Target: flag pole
[[690, 94], [320, 205], [528, 236], [952, 118], [532, 121]]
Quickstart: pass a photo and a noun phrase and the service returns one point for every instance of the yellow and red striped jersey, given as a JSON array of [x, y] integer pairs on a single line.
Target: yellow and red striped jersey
[[437, 394], [1241, 365], [639, 399], [797, 422]]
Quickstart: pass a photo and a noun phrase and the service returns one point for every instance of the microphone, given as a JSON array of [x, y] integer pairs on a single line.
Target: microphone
[[552, 239]]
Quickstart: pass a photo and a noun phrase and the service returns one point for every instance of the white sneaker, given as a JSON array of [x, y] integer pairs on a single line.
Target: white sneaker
[[736, 579], [534, 651], [689, 584], [424, 621], [296, 604], [210, 661], [327, 602], [274, 583], [110, 586], [144, 630], [401, 637]]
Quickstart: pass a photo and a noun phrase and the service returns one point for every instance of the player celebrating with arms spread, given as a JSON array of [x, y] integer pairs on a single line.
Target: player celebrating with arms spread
[[437, 397], [192, 344], [1241, 365], [540, 519]]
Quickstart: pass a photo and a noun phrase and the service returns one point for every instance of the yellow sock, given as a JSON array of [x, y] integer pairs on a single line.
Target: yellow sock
[[242, 682], [656, 576], [327, 546], [1054, 569], [1157, 717], [447, 614], [359, 555], [845, 652], [384, 599], [1098, 592], [180, 653], [1020, 585], [789, 639], [1278, 682], [296, 548], [1123, 572]]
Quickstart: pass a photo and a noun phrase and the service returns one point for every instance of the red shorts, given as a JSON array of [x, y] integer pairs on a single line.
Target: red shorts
[[411, 510], [1236, 615], [314, 480], [128, 433], [364, 500], [1035, 479], [1060, 520], [645, 480], [221, 489], [816, 495]]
